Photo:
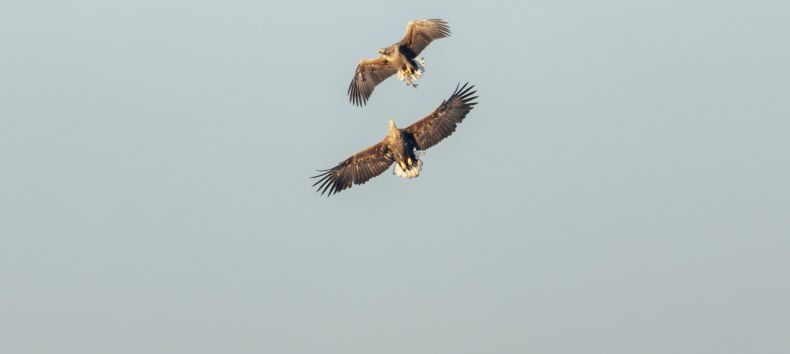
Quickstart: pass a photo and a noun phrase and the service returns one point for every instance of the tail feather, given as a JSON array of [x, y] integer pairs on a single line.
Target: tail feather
[[411, 172], [420, 63]]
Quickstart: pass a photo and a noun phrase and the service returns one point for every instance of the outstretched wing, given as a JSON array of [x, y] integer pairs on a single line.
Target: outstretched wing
[[370, 72], [357, 169], [420, 33], [440, 124]]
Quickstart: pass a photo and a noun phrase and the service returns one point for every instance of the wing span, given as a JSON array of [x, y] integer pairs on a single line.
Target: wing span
[[420, 33], [370, 72], [440, 124], [357, 169]]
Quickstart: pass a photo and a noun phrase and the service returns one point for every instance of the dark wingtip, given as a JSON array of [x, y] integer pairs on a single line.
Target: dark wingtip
[[463, 90], [355, 97]]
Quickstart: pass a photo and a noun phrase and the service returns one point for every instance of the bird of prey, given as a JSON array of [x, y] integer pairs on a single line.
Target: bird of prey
[[401, 146], [401, 58]]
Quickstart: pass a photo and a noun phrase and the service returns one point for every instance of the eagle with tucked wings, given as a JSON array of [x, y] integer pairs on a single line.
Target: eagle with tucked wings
[[403, 147], [401, 58]]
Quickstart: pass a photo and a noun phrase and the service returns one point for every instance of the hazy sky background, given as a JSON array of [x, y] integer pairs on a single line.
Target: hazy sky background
[[622, 187]]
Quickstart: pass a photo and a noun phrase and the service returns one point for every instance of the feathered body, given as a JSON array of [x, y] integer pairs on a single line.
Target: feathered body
[[407, 165], [409, 66]]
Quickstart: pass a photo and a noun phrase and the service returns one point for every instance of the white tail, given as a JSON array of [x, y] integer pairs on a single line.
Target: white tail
[[411, 172], [420, 64]]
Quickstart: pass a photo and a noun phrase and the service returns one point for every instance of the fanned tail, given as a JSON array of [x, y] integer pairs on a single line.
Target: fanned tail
[[410, 172]]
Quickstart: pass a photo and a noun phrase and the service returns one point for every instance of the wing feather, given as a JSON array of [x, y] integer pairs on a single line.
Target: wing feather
[[369, 73], [440, 124], [357, 169], [420, 33]]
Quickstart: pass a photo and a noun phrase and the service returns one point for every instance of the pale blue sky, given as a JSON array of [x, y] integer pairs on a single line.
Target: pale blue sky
[[620, 188]]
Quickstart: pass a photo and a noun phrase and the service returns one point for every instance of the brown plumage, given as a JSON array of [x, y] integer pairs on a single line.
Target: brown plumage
[[401, 58], [401, 146]]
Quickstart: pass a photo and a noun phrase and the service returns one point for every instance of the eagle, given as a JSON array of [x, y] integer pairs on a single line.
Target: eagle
[[404, 147], [401, 58]]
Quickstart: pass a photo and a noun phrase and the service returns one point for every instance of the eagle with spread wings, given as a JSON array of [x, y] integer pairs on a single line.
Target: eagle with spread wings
[[401, 146], [401, 58]]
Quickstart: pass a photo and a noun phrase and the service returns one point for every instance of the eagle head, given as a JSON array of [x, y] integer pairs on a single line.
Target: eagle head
[[393, 130]]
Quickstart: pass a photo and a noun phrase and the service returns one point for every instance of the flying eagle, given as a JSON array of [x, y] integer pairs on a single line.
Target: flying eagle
[[402, 146], [398, 58]]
